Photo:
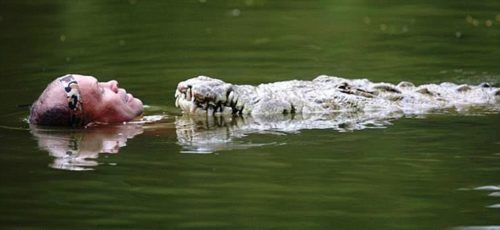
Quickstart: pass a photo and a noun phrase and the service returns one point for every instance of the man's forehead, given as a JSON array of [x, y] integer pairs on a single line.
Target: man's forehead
[[81, 79]]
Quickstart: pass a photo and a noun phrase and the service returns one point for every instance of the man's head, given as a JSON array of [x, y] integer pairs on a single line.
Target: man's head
[[76, 100]]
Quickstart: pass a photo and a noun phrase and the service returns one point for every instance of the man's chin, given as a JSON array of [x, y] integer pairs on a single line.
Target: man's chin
[[137, 105], [139, 115]]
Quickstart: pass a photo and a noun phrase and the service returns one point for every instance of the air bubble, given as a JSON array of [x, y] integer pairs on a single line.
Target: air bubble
[[404, 29], [383, 27], [367, 20], [469, 19], [235, 12]]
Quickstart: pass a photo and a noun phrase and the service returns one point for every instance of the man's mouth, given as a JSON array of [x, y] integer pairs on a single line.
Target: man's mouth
[[128, 97]]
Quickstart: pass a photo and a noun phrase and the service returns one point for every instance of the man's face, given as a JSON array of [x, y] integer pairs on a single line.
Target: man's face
[[105, 102]]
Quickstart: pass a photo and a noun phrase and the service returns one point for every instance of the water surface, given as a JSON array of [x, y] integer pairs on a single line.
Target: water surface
[[438, 171]]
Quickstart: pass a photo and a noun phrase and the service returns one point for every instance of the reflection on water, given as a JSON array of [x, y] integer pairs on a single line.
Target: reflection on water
[[207, 134], [488, 190], [478, 228], [78, 150], [493, 192]]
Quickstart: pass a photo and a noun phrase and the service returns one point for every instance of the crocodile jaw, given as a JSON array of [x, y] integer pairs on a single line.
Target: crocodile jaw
[[207, 96]]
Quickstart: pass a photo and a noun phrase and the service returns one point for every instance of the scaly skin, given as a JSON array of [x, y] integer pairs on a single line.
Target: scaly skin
[[326, 94]]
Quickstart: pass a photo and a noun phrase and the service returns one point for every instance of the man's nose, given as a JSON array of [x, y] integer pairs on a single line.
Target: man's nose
[[113, 85]]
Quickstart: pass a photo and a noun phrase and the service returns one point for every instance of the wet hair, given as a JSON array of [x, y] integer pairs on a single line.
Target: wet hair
[[54, 116], [57, 114]]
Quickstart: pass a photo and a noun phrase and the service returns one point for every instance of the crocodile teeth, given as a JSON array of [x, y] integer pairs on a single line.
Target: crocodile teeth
[[177, 95], [220, 98], [192, 99], [193, 105], [230, 97], [189, 94]]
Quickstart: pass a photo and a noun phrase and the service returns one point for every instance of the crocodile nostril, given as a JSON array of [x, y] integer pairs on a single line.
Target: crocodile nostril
[[485, 85]]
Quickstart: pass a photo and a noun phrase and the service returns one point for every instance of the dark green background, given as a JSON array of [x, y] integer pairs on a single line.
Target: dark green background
[[413, 174]]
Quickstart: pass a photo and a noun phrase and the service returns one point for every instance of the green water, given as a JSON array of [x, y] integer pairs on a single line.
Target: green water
[[424, 172]]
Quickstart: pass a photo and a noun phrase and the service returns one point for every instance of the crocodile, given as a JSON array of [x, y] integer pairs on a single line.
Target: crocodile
[[330, 94]]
